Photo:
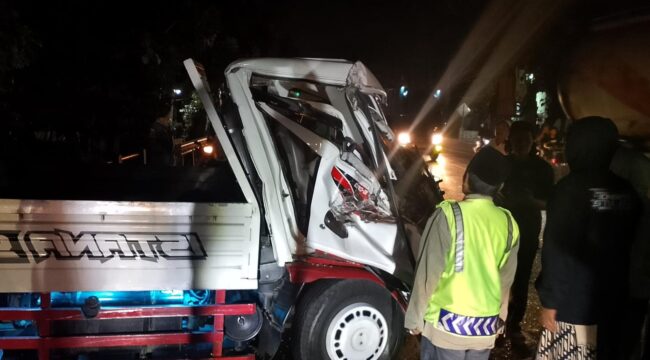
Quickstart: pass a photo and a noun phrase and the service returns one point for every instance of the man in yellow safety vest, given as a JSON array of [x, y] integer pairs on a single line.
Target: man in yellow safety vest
[[466, 264]]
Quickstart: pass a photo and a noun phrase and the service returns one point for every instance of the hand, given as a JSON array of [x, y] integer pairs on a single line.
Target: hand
[[414, 332], [501, 326], [547, 319]]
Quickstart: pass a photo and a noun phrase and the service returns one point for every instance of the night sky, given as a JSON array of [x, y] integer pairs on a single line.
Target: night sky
[[99, 67], [105, 40]]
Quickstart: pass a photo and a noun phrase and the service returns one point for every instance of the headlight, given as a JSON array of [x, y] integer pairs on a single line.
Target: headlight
[[404, 138], [436, 139], [208, 149]]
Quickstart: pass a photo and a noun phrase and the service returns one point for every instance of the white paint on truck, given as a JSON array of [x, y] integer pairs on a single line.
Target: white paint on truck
[[110, 246]]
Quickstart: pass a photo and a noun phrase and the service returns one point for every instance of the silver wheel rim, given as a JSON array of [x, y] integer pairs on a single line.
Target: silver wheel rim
[[359, 331]]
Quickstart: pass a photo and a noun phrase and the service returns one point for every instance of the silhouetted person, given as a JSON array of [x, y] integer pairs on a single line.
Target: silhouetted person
[[160, 144], [525, 193], [591, 222], [543, 134], [501, 135]]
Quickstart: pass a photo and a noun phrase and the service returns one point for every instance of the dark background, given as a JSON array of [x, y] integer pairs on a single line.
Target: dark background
[[95, 71]]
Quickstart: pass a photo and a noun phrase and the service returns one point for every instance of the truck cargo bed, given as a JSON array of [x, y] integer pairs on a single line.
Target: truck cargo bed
[[64, 245]]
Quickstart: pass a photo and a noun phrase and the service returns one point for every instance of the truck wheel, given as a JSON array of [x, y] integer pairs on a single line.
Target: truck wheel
[[348, 319]]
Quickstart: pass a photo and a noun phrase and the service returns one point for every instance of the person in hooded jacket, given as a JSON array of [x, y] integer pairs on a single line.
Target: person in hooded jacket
[[591, 220]]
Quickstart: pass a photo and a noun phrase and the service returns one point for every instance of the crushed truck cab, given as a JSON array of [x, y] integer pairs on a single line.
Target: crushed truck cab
[[318, 247], [314, 132]]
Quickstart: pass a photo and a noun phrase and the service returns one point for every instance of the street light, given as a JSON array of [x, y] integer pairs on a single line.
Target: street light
[[177, 92], [403, 91]]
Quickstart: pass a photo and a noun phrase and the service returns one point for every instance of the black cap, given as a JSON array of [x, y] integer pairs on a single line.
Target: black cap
[[489, 166]]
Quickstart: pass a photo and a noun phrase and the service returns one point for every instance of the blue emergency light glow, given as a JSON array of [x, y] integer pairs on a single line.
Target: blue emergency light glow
[[403, 91], [121, 298]]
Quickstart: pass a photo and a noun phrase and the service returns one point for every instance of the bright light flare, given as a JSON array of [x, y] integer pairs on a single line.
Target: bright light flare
[[521, 24], [208, 149], [178, 91], [436, 139], [404, 138]]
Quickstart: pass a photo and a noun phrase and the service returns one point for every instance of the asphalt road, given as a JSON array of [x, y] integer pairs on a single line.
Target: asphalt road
[[451, 165]]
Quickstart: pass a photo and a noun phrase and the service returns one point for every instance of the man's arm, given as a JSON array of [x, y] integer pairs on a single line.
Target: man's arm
[[434, 247], [543, 188], [507, 276], [547, 180], [549, 283], [563, 212]]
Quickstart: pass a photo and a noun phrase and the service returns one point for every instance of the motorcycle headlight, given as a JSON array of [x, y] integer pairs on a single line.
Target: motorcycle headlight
[[436, 139], [404, 138]]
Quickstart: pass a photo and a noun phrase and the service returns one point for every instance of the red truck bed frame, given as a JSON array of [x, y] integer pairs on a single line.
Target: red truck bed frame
[[44, 342]]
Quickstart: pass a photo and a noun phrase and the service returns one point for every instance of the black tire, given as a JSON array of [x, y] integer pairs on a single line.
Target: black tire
[[326, 299]]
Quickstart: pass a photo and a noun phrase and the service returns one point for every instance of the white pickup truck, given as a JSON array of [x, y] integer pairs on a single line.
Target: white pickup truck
[[313, 229]]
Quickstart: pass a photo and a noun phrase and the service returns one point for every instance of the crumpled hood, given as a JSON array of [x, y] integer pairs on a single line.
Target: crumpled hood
[[591, 144]]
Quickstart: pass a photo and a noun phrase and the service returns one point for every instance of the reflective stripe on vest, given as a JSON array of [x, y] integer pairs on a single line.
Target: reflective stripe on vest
[[468, 325], [460, 237], [509, 243], [467, 298]]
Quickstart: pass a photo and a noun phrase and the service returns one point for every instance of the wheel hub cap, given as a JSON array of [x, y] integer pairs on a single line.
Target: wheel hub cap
[[358, 331]]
